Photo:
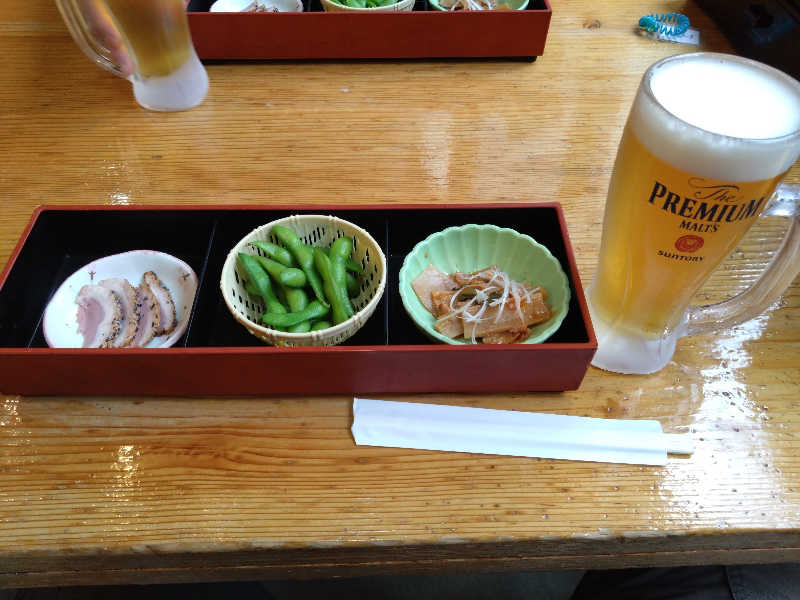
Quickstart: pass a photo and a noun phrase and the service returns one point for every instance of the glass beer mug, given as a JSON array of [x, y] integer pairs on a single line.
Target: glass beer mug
[[708, 139], [167, 74]]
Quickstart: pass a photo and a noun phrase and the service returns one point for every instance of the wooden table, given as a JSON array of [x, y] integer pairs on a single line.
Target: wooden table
[[136, 490]]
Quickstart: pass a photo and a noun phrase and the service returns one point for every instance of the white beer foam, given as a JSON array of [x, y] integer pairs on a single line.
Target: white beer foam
[[723, 98]]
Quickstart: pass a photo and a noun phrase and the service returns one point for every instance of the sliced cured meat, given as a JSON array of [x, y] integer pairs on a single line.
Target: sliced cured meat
[[149, 317], [99, 316], [169, 319], [129, 302]]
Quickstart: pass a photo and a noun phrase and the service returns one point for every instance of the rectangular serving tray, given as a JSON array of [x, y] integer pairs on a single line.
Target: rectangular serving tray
[[217, 356], [421, 33]]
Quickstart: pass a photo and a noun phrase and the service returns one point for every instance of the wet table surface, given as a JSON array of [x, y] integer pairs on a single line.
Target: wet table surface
[[121, 489]]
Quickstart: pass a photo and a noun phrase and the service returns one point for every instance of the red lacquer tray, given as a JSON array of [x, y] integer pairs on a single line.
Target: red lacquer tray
[[216, 356], [421, 33]]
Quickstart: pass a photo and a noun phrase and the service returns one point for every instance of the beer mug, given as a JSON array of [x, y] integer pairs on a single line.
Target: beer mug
[[167, 74], [708, 139]]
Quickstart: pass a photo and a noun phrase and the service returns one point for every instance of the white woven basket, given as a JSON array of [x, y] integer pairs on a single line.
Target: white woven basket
[[315, 230]]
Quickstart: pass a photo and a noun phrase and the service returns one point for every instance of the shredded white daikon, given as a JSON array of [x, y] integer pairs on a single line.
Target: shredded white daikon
[[501, 301], [489, 288], [463, 311], [509, 287]]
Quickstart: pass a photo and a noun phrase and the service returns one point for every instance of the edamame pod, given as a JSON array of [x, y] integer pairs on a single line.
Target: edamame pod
[[286, 275], [342, 247], [339, 276], [275, 252], [304, 258], [340, 252], [301, 327], [334, 287], [319, 325], [352, 285], [296, 299], [314, 310], [259, 279], [250, 289], [351, 265]]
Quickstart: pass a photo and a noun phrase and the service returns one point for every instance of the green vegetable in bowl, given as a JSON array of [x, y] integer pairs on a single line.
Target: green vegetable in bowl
[[314, 310], [331, 276], [288, 276], [304, 258], [340, 252], [334, 285], [260, 281], [297, 300], [301, 327], [275, 252], [352, 266]]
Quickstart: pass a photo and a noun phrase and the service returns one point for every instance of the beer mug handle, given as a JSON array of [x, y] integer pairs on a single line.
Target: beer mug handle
[[81, 33], [778, 275]]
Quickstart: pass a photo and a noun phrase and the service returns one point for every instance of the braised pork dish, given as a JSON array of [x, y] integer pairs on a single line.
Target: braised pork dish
[[485, 306]]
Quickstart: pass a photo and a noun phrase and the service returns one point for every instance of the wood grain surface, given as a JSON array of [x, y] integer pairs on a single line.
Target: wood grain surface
[[138, 490]]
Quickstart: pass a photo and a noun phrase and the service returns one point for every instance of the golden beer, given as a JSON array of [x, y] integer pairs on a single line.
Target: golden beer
[[156, 33], [708, 139]]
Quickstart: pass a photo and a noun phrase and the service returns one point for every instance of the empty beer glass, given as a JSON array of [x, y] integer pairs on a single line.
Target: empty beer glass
[[167, 74], [708, 139]]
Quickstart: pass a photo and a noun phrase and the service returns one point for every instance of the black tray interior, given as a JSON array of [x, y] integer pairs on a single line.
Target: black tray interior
[[316, 5], [62, 241]]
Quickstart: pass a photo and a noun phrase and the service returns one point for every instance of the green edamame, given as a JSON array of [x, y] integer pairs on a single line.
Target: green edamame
[[296, 299], [334, 286], [304, 258], [351, 265], [250, 289], [319, 325], [288, 276], [342, 247], [259, 279], [275, 252], [341, 250], [352, 284], [314, 310]]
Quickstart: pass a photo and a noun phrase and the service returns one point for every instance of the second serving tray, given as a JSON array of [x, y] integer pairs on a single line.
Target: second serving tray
[[421, 33]]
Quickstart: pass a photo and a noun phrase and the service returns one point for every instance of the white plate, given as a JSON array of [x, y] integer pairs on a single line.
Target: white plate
[[60, 324]]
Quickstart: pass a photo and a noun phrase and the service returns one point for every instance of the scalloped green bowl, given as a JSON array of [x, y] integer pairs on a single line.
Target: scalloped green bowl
[[514, 4], [472, 247]]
